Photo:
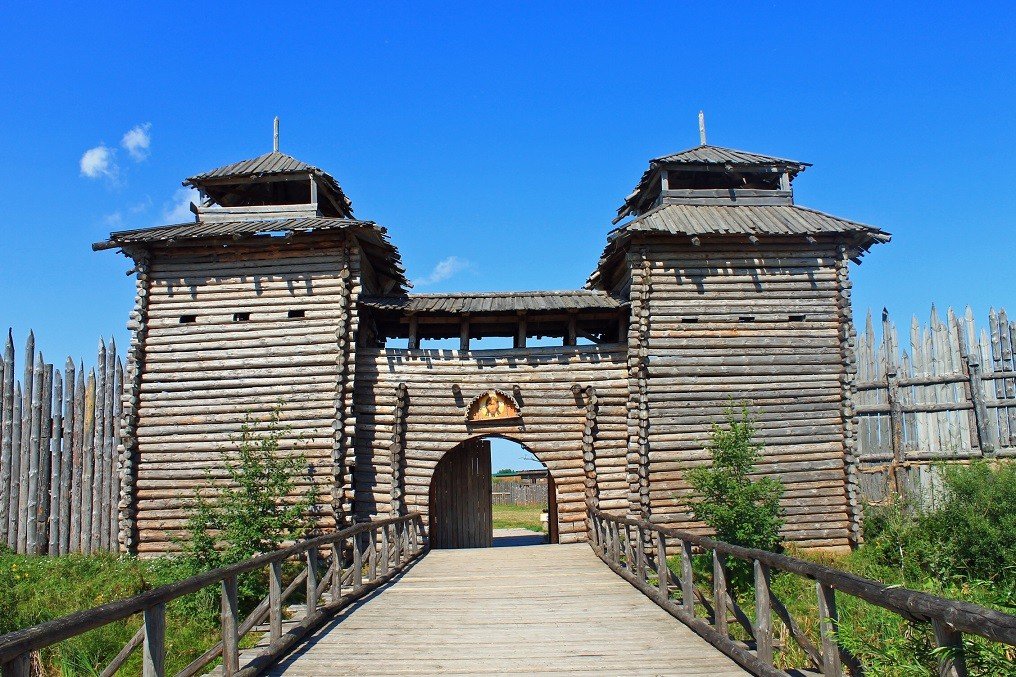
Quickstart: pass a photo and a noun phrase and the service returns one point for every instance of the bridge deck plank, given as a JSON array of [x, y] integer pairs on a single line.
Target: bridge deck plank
[[548, 609]]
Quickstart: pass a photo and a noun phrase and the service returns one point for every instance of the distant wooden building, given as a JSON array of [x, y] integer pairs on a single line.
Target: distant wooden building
[[715, 288]]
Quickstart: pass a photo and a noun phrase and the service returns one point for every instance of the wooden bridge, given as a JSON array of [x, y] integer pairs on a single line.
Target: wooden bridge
[[378, 601]]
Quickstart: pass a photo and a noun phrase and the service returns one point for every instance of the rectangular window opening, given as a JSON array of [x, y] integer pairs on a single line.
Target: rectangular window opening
[[241, 317], [796, 318], [746, 318], [689, 320], [293, 314], [188, 319]]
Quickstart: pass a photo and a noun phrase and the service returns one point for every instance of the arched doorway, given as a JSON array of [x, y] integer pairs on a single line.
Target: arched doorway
[[461, 498]]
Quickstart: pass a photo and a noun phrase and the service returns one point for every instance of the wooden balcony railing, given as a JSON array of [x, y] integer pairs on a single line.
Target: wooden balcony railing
[[379, 551], [627, 546]]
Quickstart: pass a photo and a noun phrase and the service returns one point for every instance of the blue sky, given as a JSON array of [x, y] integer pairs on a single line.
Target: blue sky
[[496, 139]]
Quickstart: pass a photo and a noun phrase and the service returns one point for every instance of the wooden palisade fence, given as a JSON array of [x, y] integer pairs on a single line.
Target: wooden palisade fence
[[950, 398], [635, 549], [377, 552], [59, 486], [509, 493]]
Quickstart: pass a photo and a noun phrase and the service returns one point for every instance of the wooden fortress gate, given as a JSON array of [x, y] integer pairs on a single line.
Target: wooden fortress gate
[[716, 289], [566, 403]]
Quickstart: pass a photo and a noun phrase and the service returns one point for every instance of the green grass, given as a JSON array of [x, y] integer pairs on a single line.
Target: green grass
[[518, 517], [38, 589]]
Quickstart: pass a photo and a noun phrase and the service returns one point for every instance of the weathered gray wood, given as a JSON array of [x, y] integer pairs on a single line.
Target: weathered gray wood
[[228, 627], [827, 628], [31, 514], [88, 465], [275, 601], [77, 457], [687, 582], [763, 614], [6, 440], [100, 473], [130, 647], [153, 662], [953, 664], [56, 472], [721, 597], [662, 570], [21, 519], [312, 579]]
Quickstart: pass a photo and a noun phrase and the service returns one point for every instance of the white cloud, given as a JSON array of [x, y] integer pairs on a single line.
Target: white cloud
[[114, 220], [178, 209], [141, 205], [138, 140], [444, 269], [99, 162]]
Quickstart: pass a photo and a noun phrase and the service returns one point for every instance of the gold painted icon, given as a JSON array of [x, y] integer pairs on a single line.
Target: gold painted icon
[[492, 406]]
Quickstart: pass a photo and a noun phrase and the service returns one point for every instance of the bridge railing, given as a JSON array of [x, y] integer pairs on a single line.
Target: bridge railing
[[379, 551], [634, 549]]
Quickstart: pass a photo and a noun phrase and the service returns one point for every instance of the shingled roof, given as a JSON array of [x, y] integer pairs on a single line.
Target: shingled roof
[[494, 302], [708, 158], [384, 254], [269, 164], [719, 155], [762, 221]]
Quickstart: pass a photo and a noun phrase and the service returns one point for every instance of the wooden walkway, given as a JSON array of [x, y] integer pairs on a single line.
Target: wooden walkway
[[548, 609]]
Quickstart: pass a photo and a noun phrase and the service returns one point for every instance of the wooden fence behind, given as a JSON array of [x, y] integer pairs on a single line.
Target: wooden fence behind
[[950, 397], [59, 486], [509, 493]]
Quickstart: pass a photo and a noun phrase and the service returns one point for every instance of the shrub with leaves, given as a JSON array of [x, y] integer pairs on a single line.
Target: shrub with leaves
[[255, 512], [739, 509]]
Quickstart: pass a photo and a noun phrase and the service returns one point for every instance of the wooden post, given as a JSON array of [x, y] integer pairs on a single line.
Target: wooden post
[[56, 471], [687, 582], [312, 582], [275, 601], [6, 437], [520, 332], [372, 555], [400, 534], [154, 648], [385, 547], [464, 334], [640, 554], [18, 667], [953, 664], [897, 475], [720, 592], [572, 332], [763, 615], [827, 625], [414, 332], [357, 563], [338, 547], [985, 438], [228, 625], [662, 570]]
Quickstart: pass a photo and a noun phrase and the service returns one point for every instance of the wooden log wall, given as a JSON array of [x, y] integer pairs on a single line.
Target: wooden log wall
[[59, 478], [439, 386], [511, 493], [761, 323], [231, 331], [947, 395]]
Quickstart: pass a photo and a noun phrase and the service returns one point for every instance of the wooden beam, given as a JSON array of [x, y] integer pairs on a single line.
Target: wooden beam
[[414, 333], [570, 336], [464, 334], [520, 334]]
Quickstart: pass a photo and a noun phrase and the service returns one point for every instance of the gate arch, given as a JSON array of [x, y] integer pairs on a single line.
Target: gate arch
[[459, 513]]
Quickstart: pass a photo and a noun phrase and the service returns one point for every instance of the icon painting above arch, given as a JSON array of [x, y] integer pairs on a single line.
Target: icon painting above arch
[[493, 405]]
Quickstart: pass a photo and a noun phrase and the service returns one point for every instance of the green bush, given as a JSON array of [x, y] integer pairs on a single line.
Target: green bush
[[968, 535], [740, 510], [253, 514]]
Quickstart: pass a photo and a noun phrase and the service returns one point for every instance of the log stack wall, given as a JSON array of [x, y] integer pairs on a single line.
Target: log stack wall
[[439, 386], [756, 323], [59, 479], [232, 332]]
